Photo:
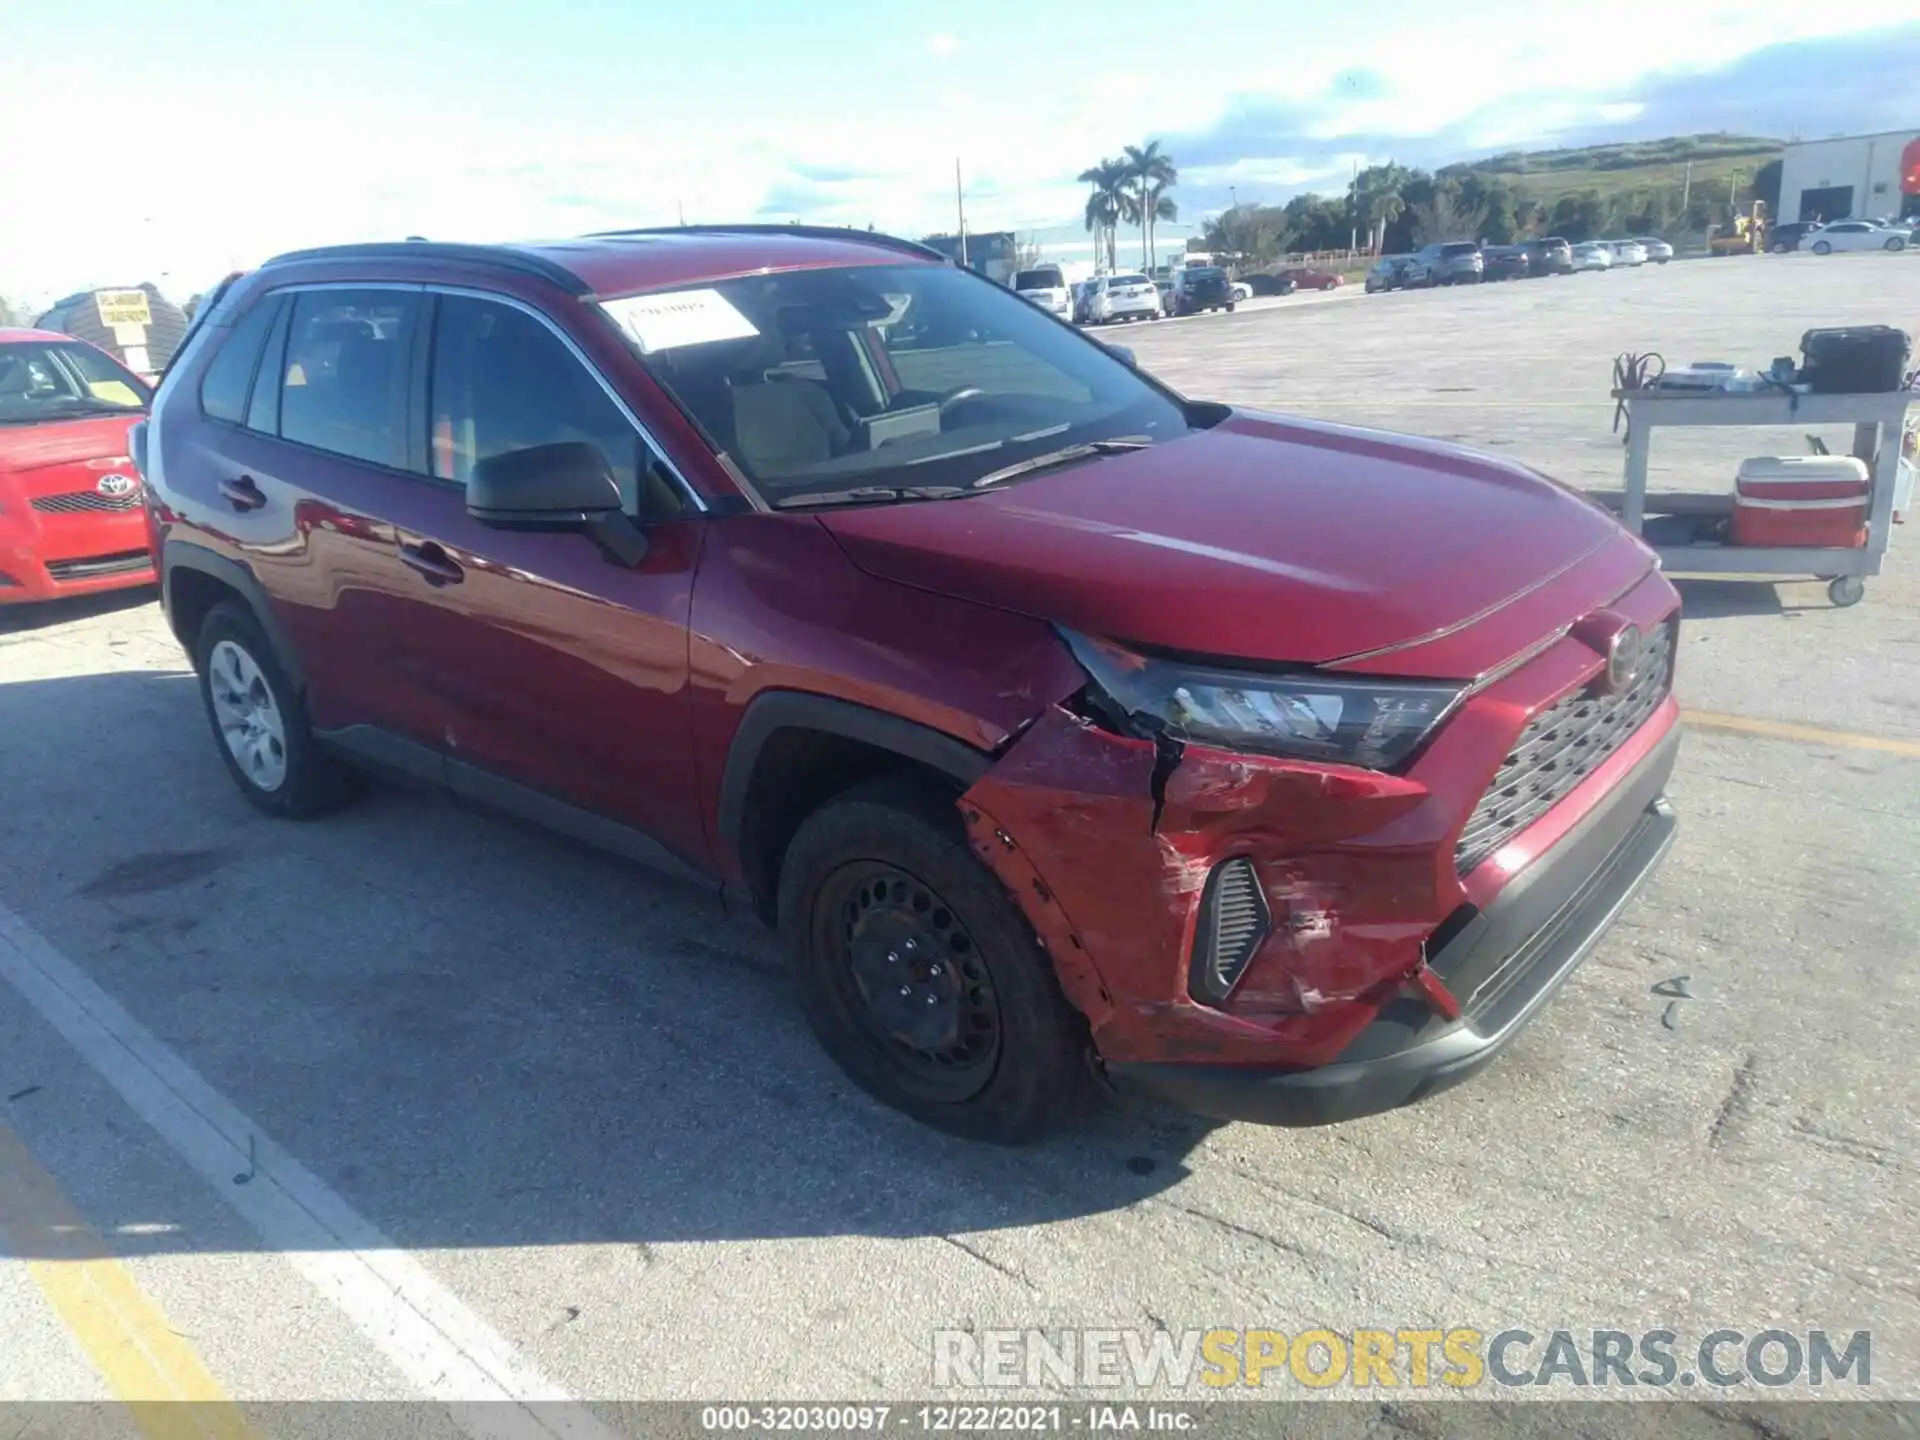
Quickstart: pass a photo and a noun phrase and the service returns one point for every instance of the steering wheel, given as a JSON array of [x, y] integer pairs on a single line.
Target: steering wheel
[[955, 397]]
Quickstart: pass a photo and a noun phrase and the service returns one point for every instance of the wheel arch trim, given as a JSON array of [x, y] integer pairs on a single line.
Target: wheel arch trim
[[176, 556]]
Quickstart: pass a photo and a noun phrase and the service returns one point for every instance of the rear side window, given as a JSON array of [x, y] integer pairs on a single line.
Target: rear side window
[[345, 379], [223, 389], [502, 381]]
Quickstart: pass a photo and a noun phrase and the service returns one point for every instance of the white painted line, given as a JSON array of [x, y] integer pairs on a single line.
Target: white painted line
[[434, 1340]]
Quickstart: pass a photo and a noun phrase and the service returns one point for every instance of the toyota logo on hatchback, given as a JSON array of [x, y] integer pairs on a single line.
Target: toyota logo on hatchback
[[114, 486]]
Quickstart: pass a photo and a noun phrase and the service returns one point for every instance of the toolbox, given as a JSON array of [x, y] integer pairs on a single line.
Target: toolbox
[[1854, 359], [1802, 500]]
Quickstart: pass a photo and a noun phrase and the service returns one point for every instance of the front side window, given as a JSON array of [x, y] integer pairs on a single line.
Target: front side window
[[911, 375], [343, 382], [502, 381], [52, 380]]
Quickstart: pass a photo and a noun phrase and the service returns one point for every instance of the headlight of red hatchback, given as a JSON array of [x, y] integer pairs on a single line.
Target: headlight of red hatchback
[[1303, 715]]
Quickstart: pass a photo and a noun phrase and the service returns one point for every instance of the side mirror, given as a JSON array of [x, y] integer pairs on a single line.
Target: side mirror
[[565, 486], [1124, 354]]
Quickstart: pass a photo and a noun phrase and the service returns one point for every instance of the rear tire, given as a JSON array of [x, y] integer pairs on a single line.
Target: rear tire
[[259, 721], [879, 886], [1894, 242], [1821, 247]]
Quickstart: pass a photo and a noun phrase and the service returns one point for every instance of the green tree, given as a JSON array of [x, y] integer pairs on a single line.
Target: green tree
[[1107, 204], [1151, 173], [1766, 185]]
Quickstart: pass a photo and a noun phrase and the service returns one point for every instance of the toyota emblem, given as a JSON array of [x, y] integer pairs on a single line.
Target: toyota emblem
[[115, 486]]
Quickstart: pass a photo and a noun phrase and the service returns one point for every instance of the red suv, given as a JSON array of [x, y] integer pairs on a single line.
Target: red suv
[[1062, 725], [70, 512]]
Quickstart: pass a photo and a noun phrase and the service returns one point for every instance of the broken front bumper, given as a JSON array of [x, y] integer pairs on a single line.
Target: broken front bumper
[[1503, 962]]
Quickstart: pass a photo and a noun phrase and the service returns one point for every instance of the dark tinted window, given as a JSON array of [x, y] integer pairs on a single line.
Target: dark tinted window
[[1047, 277], [1458, 248], [263, 414], [223, 390], [344, 382], [503, 381]]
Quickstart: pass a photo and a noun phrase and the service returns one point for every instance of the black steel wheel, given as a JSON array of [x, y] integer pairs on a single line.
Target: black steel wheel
[[918, 972]]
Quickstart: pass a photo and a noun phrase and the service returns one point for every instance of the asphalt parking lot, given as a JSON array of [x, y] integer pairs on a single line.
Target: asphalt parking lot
[[414, 1101]]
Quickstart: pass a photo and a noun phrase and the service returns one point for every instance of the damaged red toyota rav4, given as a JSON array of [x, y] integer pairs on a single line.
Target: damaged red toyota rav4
[[1063, 726]]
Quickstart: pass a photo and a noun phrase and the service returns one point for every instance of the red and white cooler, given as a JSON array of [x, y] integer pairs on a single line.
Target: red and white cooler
[[1802, 500]]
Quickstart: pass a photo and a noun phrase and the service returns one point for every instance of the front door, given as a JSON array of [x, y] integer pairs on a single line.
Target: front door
[[561, 672]]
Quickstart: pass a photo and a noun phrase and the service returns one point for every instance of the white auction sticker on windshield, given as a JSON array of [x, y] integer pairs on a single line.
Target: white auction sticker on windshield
[[683, 317]]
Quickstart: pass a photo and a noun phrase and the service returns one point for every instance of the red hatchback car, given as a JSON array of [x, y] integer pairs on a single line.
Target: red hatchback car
[[71, 519], [1063, 726]]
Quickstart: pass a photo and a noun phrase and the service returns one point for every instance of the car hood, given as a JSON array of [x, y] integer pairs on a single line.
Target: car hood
[[62, 442], [1273, 540]]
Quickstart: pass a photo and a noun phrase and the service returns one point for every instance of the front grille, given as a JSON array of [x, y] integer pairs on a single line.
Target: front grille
[[85, 502], [95, 566], [1560, 747]]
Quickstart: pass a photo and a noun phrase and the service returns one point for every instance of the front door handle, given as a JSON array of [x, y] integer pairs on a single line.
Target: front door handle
[[242, 493], [433, 562]]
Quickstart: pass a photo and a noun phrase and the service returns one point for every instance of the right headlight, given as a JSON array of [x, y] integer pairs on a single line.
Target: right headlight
[[1347, 720]]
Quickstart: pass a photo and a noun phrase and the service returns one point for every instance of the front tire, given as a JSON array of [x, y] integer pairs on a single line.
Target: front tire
[[259, 721], [918, 973], [1894, 242], [1821, 247]]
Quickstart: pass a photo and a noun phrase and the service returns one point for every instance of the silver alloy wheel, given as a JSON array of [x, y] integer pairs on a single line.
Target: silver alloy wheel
[[248, 716]]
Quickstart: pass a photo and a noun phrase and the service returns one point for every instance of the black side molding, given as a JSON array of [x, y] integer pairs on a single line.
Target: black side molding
[[776, 710]]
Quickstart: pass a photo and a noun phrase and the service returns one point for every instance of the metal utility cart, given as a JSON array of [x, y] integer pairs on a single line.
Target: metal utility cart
[[1877, 422]]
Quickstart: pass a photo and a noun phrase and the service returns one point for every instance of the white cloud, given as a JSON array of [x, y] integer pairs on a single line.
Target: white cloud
[[945, 43]]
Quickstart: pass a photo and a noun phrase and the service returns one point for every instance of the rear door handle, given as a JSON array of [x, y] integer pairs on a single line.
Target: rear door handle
[[242, 493], [433, 562]]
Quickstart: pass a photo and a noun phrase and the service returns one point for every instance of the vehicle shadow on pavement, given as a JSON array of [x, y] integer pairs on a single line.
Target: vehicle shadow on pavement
[[1718, 599], [18, 618], [479, 1035]]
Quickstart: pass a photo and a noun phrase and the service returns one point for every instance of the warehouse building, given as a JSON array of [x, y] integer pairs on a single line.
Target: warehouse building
[[1867, 177]]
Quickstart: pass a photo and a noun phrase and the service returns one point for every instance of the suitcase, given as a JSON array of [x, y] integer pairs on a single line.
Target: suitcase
[[1855, 359], [1802, 500]]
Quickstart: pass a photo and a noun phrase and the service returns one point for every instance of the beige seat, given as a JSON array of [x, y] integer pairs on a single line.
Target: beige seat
[[783, 426]]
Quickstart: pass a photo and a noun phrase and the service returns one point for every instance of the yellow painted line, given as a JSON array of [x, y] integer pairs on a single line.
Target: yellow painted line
[[1806, 734], [149, 1367]]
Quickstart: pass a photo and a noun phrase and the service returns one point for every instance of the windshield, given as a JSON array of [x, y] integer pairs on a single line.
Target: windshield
[[1117, 281], [1460, 248], [1046, 278], [1206, 273], [818, 381], [47, 380]]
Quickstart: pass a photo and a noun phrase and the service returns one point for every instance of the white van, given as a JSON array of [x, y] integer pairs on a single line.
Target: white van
[[1046, 287]]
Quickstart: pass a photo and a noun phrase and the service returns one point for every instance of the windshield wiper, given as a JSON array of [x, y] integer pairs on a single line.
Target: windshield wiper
[[1066, 455], [868, 495]]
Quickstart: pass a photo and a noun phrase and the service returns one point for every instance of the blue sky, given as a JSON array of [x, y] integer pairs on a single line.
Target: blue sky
[[217, 133]]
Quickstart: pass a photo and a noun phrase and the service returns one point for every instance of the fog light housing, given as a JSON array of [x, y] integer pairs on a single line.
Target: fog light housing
[[1234, 921]]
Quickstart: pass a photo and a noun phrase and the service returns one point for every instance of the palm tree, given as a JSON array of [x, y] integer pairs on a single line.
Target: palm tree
[[1150, 173], [1107, 205], [1383, 209]]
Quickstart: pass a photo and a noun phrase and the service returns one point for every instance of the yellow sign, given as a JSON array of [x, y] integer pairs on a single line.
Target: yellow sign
[[123, 307]]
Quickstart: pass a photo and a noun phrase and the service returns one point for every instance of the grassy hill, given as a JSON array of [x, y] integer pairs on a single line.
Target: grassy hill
[[1615, 170]]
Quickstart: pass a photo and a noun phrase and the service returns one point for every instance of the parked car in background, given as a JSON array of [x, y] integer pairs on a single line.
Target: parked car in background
[[1506, 262], [1265, 284], [819, 572], [1852, 235], [1592, 255], [1629, 253], [1789, 234], [1549, 256], [1451, 262], [1123, 297], [71, 513], [1659, 252], [1201, 287], [1389, 272], [1242, 291], [1308, 277], [1082, 302], [1046, 287]]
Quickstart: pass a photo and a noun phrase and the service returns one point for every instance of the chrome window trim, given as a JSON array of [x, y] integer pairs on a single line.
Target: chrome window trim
[[494, 297]]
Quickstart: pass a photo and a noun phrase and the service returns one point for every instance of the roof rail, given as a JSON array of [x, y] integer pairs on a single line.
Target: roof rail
[[499, 257], [815, 232]]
